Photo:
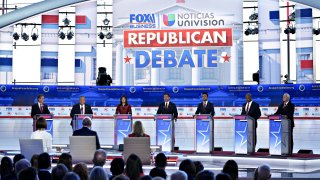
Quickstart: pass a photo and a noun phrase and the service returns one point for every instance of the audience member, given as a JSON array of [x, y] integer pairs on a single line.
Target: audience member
[[138, 130], [231, 168], [86, 131], [21, 164], [71, 176], [134, 167], [223, 176], [158, 172], [66, 159], [199, 166], [99, 158], [41, 133], [82, 170], [161, 161], [179, 175], [158, 178], [188, 166], [34, 161], [263, 172], [59, 172], [98, 173], [17, 158], [117, 167], [205, 175], [44, 166], [121, 177], [6, 169], [28, 173]]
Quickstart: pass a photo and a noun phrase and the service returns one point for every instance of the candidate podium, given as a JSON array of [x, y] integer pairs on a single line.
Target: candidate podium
[[164, 131], [280, 135], [244, 134], [77, 120], [122, 127], [204, 133], [49, 119]]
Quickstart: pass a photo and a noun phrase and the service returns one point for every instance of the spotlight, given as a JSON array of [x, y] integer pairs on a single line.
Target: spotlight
[[70, 34], [66, 21], [255, 31], [16, 36], [287, 30], [254, 16], [61, 34], [109, 35], [34, 35], [101, 35], [292, 16], [316, 31], [103, 79], [248, 31], [25, 36], [106, 21], [291, 30]]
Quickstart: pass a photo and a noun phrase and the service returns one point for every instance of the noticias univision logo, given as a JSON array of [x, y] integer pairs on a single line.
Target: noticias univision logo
[[169, 19], [142, 21]]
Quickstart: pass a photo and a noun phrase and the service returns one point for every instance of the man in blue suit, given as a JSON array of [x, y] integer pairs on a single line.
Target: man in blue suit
[[252, 109], [205, 107], [168, 107], [86, 131]]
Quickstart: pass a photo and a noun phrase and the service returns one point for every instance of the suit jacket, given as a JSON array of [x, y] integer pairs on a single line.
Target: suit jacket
[[76, 110], [123, 109], [44, 175], [208, 110], [36, 110], [84, 131], [254, 111], [288, 111], [172, 109]]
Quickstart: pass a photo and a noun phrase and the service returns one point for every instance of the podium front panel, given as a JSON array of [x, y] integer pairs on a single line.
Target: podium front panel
[[275, 136], [241, 135], [77, 120], [164, 131], [122, 127], [203, 133]]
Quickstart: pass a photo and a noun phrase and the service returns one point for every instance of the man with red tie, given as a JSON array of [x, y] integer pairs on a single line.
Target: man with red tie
[[81, 108], [39, 107], [252, 109], [168, 107], [205, 107]]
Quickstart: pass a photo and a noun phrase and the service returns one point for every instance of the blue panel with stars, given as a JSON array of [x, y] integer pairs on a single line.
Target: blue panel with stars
[[275, 137], [123, 128], [50, 127], [164, 132], [241, 135], [203, 134]]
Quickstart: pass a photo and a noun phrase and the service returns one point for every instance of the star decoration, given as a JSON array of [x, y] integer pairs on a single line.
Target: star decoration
[[125, 132], [226, 58], [166, 139], [243, 137], [127, 59], [205, 138], [278, 139]]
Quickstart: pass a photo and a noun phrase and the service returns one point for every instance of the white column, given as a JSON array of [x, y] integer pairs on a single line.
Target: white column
[[234, 80], [125, 67], [131, 68], [119, 60], [196, 70]]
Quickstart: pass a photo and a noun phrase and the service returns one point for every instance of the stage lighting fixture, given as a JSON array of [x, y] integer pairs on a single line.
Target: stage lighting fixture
[[109, 35], [316, 31], [255, 31], [34, 33], [101, 35], [70, 34], [248, 31], [106, 21], [61, 34], [292, 16], [254, 16], [16, 36], [103, 79], [256, 77], [291, 30], [25, 36], [66, 21]]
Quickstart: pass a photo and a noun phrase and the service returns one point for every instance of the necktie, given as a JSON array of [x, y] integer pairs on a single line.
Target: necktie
[[166, 105], [247, 110], [204, 105], [41, 108], [82, 109]]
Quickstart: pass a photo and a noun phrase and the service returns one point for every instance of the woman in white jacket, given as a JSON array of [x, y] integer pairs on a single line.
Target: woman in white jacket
[[41, 133]]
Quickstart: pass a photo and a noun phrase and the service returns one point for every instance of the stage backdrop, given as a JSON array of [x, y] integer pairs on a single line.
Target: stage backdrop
[[177, 43]]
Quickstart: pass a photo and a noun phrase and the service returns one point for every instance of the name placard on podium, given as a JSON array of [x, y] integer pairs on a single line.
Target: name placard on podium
[[164, 131], [49, 119], [77, 120], [244, 134], [280, 139], [204, 133], [122, 128]]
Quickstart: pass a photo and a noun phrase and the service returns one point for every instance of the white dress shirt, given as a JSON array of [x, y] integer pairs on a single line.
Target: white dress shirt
[[248, 106], [46, 139], [83, 109]]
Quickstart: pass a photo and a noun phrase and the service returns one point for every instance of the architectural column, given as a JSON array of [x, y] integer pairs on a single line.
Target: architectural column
[[195, 72], [125, 68], [119, 60], [234, 78]]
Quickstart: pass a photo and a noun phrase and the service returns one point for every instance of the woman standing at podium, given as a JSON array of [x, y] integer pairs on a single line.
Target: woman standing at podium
[[123, 107]]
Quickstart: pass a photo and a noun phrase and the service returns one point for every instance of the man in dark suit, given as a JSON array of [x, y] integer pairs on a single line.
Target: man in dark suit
[[168, 107], [286, 109], [39, 107], [252, 109], [205, 107], [81, 108], [86, 131]]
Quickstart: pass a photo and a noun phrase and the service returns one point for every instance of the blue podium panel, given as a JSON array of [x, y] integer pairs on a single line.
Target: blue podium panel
[[77, 120], [49, 119], [241, 135], [123, 124], [275, 135], [164, 131], [203, 133]]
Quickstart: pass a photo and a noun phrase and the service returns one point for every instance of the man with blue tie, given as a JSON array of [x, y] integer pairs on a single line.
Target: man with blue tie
[[205, 107], [252, 109]]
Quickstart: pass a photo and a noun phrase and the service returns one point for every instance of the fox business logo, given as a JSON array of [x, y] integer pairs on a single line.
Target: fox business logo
[[147, 21]]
